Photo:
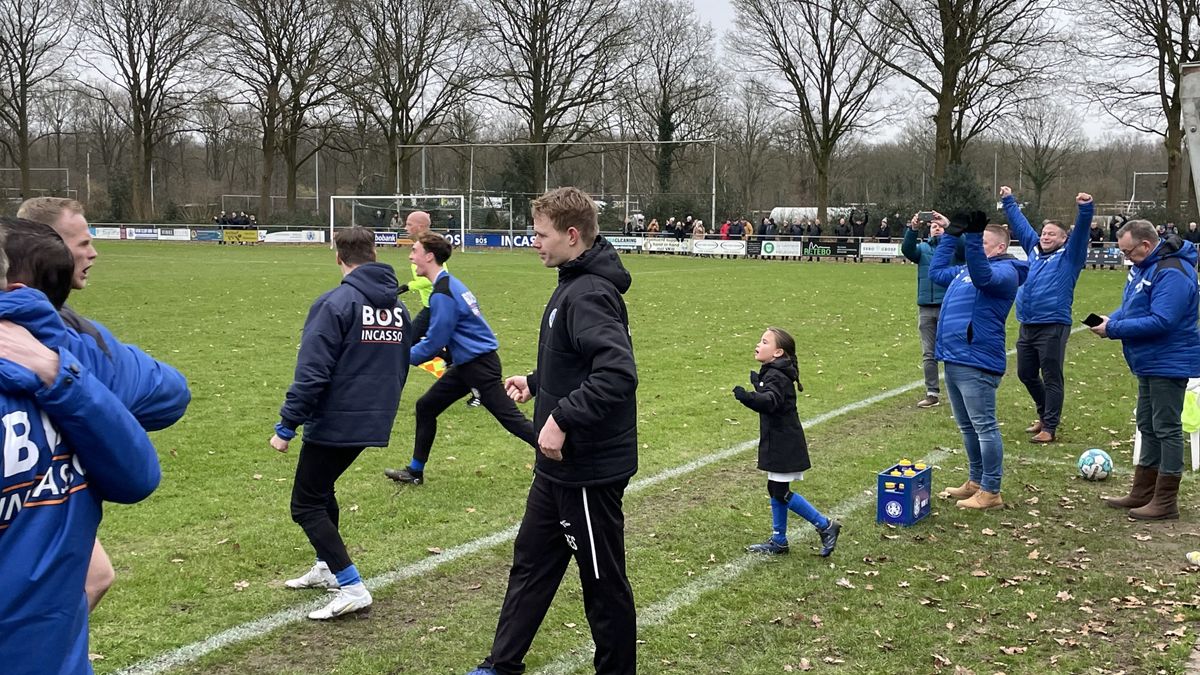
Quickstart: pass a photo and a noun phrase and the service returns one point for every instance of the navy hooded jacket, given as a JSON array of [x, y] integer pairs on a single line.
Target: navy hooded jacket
[[978, 298], [921, 252], [1049, 291], [353, 362], [1156, 322]]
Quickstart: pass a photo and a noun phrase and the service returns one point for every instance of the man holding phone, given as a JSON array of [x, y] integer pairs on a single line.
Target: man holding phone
[[1156, 324], [1044, 305], [929, 297]]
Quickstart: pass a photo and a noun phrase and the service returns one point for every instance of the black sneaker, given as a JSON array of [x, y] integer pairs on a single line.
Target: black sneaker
[[768, 547], [405, 475], [474, 402], [829, 537]]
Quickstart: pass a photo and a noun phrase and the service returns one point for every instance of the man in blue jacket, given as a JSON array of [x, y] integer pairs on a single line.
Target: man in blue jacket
[[1044, 305], [970, 341], [1156, 324], [351, 368], [929, 301], [69, 445], [456, 323]]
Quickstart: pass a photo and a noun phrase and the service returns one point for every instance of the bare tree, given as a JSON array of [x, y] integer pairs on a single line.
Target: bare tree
[[1138, 52], [979, 60], [751, 128], [419, 66], [32, 52], [674, 88], [283, 62], [1045, 138], [150, 50], [556, 63], [829, 76]]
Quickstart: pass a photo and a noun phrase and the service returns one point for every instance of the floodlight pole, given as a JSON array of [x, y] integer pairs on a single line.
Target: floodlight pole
[[470, 191], [628, 173], [317, 181], [713, 222]]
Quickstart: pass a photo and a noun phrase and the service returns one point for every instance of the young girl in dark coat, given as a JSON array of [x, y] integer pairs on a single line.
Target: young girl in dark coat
[[782, 450]]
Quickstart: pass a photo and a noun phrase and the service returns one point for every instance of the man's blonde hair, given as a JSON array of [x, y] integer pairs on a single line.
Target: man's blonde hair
[[48, 210], [568, 207]]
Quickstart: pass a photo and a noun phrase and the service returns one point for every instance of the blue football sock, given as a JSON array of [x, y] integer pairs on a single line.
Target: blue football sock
[[779, 516], [807, 511], [416, 465], [348, 576]]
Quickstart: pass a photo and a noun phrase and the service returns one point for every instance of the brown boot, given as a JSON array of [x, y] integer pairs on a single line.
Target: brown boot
[[1142, 491], [963, 491], [1043, 436], [1164, 505], [1034, 428], [982, 500]]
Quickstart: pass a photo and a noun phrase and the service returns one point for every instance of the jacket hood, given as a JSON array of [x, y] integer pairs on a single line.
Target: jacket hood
[[1172, 247], [1021, 266], [786, 366], [29, 307], [602, 260], [375, 280]]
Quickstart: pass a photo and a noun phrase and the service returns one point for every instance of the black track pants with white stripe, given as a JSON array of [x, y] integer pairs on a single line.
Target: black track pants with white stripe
[[560, 523]]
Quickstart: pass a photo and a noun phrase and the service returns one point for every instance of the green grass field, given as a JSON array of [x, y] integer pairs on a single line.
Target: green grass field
[[1055, 582]]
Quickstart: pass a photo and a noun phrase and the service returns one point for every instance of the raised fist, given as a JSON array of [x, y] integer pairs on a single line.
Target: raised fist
[[1005, 191], [1083, 198]]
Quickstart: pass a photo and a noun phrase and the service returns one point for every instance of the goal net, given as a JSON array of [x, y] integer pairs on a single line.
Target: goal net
[[385, 214]]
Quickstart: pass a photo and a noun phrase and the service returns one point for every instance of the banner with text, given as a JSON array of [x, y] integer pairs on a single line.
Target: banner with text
[[241, 236], [174, 234], [719, 247], [300, 237], [627, 243], [106, 232], [874, 249]]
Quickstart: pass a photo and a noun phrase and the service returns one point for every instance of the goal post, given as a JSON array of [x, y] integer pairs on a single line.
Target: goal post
[[387, 213]]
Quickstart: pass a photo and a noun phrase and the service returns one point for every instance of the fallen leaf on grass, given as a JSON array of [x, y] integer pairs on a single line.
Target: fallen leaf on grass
[[434, 550], [845, 583], [1064, 596], [988, 532], [980, 573], [257, 476], [805, 664], [1033, 555], [241, 585], [95, 657], [1014, 650]]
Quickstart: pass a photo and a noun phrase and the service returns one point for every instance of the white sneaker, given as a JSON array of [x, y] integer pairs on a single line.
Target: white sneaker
[[317, 577], [348, 600]]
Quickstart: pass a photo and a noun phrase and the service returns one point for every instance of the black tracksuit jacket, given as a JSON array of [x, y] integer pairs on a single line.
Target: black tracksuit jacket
[[586, 376]]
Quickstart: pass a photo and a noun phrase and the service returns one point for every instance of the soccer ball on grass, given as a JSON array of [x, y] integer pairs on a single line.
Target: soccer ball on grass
[[1095, 464]]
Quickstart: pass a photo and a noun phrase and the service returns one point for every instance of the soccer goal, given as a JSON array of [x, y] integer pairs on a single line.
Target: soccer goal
[[386, 214]]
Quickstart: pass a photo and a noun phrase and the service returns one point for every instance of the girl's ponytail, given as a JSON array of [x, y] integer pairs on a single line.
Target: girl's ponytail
[[787, 343]]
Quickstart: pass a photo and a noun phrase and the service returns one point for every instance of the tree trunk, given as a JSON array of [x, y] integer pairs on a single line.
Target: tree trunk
[[822, 169], [1174, 143], [943, 127], [22, 157]]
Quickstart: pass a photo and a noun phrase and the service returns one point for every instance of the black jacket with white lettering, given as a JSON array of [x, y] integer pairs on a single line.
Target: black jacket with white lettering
[[353, 362], [586, 376]]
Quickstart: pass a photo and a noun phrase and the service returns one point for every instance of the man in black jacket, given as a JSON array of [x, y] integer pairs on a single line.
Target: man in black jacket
[[351, 368], [586, 414]]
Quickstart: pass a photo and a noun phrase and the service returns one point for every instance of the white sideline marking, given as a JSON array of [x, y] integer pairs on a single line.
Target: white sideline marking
[[660, 611], [259, 627]]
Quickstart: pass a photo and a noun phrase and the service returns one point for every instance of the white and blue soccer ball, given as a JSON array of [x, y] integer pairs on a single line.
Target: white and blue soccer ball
[[1095, 464]]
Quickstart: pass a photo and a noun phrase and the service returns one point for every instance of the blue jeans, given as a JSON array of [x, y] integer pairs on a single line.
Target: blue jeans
[[973, 399]]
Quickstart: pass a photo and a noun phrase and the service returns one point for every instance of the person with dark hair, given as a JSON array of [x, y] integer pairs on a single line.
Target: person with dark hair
[[1156, 324], [350, 371], [782, 447], [456, 323], [69, 446], [970, 342], [586, 415], [1114, 225], [1044, 306]]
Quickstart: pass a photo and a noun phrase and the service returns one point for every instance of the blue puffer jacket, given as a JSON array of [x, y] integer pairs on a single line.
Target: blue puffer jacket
[[921, 252], [978, 298], [1049, 291], [1156, 322], [353, 362]]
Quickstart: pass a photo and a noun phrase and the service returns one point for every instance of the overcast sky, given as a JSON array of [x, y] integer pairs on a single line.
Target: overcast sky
[[717, 12]]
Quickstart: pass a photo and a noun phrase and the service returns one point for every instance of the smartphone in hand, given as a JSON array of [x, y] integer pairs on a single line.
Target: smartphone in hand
[[1093, 320]]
